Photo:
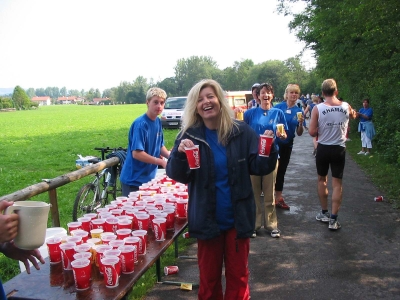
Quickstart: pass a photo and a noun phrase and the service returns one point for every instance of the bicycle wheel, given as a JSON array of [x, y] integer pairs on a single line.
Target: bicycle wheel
[[86, 201]]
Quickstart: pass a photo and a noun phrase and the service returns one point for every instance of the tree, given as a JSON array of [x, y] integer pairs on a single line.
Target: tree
[[30, 92], [190, 71], [20, 99], [356, 42]]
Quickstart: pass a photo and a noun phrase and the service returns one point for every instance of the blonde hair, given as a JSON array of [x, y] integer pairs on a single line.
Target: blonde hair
[[291, 87], [192, 119], [329, 87], [315, 99], [155, 91]]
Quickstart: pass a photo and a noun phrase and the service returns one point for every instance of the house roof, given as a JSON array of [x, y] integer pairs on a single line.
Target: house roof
[[44, 98], [71, 98]]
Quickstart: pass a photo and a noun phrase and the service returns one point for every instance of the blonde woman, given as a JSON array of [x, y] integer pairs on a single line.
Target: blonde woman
[[221, 206]]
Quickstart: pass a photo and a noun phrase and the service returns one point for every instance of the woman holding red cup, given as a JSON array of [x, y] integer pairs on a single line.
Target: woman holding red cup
[[221, 201]]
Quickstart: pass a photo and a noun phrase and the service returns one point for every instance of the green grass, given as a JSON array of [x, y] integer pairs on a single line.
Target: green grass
[[384, 175], [44, 143]]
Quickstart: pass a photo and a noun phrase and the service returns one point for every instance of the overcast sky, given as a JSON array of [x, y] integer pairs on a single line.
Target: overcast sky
[[83, 44]]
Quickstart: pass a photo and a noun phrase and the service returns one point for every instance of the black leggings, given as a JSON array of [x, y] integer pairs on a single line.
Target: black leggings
[[285, 151]]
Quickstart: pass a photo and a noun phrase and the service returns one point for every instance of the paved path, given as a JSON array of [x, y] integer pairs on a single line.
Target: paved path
[[359, 261]]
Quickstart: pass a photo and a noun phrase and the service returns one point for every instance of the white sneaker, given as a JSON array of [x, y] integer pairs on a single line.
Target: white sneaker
[[361, 152], [367, 153]]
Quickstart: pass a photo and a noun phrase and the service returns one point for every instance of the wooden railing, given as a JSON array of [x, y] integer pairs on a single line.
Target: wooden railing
[[51, 185]]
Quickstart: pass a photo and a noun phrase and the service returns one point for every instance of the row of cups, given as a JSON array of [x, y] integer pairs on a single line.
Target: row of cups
[[111, 255]]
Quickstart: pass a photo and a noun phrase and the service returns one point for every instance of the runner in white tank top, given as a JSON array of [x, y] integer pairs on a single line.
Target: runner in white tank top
[[329, 123]]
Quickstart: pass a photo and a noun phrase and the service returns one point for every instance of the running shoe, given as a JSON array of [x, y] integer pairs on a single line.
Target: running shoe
[[276, 233], [361, 152], [281, 204], [254, 234], [334, 224], [323, 217]]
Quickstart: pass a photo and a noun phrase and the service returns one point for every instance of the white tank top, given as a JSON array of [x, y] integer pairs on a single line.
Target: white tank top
[[332, 124]]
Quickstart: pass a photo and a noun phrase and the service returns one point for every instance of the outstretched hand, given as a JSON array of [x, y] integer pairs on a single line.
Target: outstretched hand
[[11, 251]]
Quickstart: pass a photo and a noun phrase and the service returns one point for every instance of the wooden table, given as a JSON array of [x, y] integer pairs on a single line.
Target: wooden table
[[52, 282]]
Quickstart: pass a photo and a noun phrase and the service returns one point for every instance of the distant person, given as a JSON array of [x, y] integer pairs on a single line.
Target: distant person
[[8, 231], [221, 206], [309, 109], [329, 121], [260, 119], [145, 145], [366, 127], [254, 102], [295, 127]]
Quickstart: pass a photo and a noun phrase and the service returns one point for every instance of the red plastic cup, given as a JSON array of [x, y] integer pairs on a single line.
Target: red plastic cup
[[82, 233], [181, 208], [100, 254], [82, 272], [116, 243], [67, 254], [124, 223], [53, 246], [143, 221], [142, 235], [123, 233], [170, 219], [264, 145], [96, 232], [133, 241], [73, 226], [114, 253], [83, 248], [82, 255], [85, 223], [160, 229], [74, 239], [116, 212], [110, 266], [98, 223], [127, 259], [106, 238], [111, 224], [193, 156]]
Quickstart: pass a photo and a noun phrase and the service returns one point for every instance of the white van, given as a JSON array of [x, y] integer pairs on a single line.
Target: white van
[[171, 117]]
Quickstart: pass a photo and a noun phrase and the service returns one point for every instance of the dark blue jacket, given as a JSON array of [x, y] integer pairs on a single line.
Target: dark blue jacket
[[243, 161]]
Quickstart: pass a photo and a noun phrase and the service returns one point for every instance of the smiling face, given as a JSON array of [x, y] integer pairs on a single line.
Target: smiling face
[[208, 106], [265, 97]]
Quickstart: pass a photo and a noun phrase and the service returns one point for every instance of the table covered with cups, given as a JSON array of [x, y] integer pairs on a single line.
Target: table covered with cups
[[105, 253]]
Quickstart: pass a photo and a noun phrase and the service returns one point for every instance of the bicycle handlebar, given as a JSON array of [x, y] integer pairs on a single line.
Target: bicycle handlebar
[[108, 149]]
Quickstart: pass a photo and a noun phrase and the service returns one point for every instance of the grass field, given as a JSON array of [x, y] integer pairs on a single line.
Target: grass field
[[44, 143]]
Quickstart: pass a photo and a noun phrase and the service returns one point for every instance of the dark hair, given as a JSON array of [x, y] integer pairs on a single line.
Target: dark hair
[[366, 99], [265, 85]]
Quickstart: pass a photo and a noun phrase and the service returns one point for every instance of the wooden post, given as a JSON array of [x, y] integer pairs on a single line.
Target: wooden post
[[55, 216]]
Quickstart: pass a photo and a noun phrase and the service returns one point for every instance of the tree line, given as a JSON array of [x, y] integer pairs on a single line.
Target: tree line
[[241, 76]]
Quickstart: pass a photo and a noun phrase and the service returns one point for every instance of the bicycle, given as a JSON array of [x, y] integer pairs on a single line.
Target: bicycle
[[105, 184]]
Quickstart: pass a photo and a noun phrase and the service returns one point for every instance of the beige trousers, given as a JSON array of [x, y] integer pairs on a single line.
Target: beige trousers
[[265, 215]]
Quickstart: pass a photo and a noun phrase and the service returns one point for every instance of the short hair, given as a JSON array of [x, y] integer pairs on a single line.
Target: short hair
[[291, 87], [266, 85], [155, 91], [255, 86], [192, 119], [366, 99], [315, 99], [329, 87]]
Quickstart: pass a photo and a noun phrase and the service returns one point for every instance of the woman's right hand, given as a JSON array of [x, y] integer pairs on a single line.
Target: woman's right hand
[[185, 143]]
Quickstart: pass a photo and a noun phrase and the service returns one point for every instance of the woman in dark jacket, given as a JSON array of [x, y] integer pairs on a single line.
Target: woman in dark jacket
[[221, 210]]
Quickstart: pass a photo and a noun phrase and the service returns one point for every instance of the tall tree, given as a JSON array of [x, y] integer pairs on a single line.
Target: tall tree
[[21, 99]]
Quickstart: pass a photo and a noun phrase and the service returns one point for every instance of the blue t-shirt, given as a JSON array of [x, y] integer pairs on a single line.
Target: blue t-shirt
[[145, 135], [261, 120], [368, 112], [224, 210], [291, 121]]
